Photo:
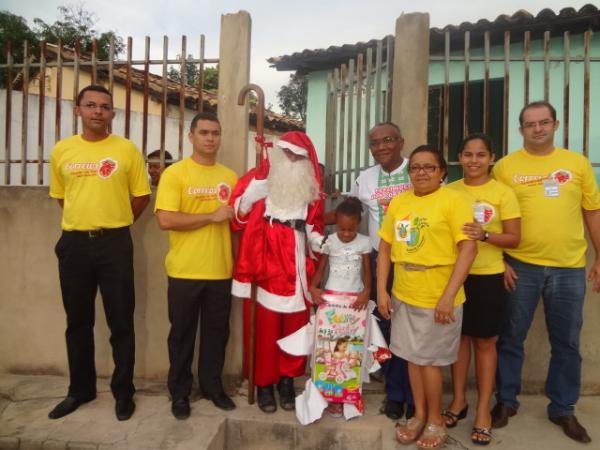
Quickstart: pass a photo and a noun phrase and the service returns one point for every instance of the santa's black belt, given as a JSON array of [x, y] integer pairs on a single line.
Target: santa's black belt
[[296, 224]]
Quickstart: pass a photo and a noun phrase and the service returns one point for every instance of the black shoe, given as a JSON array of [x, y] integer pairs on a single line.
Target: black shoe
[[67, 406], [452, 418], [221, 400], [572, 428], [181, 408], [410, 411], [265, 398], [124, 408], [500, 415], [287, 394], [377, 376], [393, 410]]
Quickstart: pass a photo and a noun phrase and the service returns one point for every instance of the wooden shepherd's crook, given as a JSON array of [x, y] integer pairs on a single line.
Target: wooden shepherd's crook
[[260, 114], [260, 144]]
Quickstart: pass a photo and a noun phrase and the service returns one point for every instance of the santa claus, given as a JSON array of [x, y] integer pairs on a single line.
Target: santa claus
[[279, 207]]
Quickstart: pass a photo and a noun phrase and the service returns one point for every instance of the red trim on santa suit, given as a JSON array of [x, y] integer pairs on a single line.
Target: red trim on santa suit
[[271, 363], [275, 257]]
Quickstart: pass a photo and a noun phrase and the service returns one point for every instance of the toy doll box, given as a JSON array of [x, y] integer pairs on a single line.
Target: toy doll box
[[339, 348]]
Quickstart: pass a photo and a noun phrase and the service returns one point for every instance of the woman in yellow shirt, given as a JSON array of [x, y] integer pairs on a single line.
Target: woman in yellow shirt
[[496, 225], [422, 236]]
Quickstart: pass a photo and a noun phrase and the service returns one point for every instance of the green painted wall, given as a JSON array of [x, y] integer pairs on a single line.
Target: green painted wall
[[316, 122], [317, 83], [536, 89], [316, 110]]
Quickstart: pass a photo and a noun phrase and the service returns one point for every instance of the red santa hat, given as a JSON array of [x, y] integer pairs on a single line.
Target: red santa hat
[[300, 144]]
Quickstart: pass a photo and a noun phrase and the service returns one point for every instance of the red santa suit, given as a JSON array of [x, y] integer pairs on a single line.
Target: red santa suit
[[275, 254]]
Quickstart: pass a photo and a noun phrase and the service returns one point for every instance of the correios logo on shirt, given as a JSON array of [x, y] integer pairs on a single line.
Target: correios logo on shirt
[[221, 192], [562, 176], [104, 168], [224, 192], [108, 166]]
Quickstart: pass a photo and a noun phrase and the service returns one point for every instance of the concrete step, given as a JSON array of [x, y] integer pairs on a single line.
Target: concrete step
[[26, 400]]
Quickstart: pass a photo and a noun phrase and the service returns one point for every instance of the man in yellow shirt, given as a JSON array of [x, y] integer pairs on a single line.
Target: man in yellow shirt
[[100, 182], [557, 192], [192, 203]]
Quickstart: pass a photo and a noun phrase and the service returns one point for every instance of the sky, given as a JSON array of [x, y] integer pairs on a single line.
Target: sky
[[278, 27]]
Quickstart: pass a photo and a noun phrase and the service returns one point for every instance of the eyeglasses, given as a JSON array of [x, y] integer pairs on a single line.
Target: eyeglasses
[[385, 141], [103, 107], [542, 124], [427, 168]]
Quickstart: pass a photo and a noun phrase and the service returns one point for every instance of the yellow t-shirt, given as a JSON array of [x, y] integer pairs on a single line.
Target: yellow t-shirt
[[498, 203], [96, 180], [551, 190], [425, 231], [189, 187]]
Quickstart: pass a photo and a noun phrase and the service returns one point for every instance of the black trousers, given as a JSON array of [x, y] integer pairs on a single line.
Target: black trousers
[[189, 301], [84, 264]]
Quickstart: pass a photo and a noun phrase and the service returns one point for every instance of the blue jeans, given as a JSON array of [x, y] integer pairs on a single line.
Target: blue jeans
[[562, 291]]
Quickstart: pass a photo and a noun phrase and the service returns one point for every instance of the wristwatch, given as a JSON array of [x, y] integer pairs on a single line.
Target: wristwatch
[[486, 236]]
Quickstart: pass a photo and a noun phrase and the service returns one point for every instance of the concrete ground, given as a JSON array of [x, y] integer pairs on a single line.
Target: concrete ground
[[26, 400]]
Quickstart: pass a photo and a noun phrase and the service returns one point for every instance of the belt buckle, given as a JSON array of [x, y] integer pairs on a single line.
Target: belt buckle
[[94, 233], [411, 267], [298, 224]]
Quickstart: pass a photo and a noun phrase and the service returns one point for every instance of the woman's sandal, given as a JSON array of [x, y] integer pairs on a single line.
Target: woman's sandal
[[452, 419], [481, 436], [432, 433], [408, 432]]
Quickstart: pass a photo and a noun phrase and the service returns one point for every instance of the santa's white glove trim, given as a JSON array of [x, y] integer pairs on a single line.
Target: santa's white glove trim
[[314, 240], [236, 210], [256, 190]]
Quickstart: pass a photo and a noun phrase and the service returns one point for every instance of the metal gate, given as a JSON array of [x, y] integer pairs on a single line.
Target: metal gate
[[479, 79], [511, 70], [358, 97], [65, 65]]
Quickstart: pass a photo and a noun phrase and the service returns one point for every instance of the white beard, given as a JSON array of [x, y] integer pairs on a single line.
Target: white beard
[[292, 186]]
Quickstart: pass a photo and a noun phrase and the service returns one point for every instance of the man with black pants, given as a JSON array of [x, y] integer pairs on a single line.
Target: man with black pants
[[100, 182], [192, 203]]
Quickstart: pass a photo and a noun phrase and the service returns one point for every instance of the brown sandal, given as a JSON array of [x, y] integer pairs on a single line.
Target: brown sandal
[[481, 436], [433, 433], [408, 432]]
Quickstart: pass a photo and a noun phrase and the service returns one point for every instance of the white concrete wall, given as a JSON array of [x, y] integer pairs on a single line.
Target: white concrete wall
[[230, 153], [32, 321]]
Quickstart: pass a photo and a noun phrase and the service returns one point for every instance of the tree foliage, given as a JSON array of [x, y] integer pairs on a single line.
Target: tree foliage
[[211, 78], [292, 97], [77, 23], [14, 29], [74, 23], [211, 75]]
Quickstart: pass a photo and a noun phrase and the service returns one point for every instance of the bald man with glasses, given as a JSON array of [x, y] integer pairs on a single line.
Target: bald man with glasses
[[375, 187]]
